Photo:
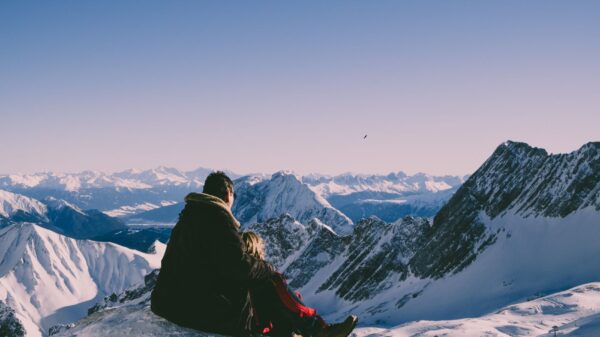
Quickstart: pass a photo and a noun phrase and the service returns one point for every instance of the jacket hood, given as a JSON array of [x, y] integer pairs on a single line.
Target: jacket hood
[[208, 199]]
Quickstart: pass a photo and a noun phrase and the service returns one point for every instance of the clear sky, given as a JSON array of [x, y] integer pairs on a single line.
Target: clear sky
[[259, 86]]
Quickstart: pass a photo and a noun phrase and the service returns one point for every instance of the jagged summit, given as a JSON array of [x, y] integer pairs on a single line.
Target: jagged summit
[[261, 198], [516, 147]]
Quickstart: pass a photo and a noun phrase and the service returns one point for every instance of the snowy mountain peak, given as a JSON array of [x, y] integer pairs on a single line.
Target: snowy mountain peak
[[260, 199]]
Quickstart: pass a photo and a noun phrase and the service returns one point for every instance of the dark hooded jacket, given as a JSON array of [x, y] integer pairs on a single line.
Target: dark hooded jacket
[[206, 272]]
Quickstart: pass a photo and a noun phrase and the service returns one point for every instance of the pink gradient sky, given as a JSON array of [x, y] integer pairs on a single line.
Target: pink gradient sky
[[264, 86]]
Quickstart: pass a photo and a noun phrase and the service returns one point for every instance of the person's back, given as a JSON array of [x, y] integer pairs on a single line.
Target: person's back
[[205, 272]]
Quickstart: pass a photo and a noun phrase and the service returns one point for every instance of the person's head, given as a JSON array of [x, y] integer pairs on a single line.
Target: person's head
[[219, 185], [254, 244]]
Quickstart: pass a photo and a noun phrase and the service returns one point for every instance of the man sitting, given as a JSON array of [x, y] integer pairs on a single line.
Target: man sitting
[[206, 274]]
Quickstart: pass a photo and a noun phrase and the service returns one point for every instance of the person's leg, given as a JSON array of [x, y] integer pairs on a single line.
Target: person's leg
[[269, 315], [305, 320], [281, 311]]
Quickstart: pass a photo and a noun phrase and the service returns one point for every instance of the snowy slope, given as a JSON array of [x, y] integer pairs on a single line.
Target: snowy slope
[[574, 312], [11, 203], [48, 278], [261, 198]]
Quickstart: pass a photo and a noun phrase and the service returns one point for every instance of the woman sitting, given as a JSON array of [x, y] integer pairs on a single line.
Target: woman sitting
[[280, 312]]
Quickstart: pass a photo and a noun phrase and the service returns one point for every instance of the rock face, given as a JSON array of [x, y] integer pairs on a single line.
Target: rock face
[[354, 266], [375, 251], [261, 198], [10, 325]]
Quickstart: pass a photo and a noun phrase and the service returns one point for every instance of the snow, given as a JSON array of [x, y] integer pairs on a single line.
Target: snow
[[48, 278], [576, 312]]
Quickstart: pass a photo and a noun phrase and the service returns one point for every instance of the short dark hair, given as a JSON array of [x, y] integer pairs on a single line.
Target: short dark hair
[[218, 184]]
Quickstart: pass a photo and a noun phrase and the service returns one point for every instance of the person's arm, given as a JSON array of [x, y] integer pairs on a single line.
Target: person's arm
[[233, 261]]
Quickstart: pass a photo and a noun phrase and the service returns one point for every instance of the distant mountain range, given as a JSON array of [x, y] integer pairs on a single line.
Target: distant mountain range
[[128, 179], [151, 195]]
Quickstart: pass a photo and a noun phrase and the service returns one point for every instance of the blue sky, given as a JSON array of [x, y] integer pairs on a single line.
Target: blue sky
[[259, 86]]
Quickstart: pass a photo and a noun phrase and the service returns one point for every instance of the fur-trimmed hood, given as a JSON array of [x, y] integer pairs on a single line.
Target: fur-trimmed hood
[[211, 200]]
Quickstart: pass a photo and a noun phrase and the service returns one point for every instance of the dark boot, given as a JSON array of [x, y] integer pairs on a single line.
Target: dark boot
[[339, 329]]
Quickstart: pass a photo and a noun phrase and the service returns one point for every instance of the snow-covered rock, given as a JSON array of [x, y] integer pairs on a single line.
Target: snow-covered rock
[[49, 279], [10, 326], [12, 204]]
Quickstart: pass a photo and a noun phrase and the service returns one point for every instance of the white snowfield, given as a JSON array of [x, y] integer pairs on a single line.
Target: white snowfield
[[575, 312], [49, 279]]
